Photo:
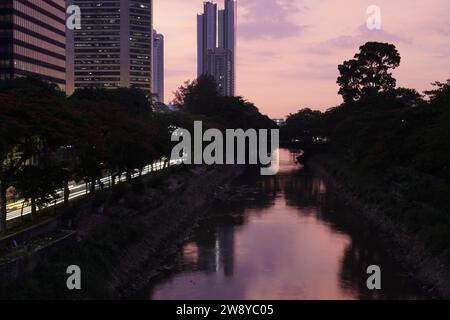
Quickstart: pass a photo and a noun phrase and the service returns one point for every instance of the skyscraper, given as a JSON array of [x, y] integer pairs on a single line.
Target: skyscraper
[[227, 36], [158, 67], [216, 45], [113, 48], [33, 39]]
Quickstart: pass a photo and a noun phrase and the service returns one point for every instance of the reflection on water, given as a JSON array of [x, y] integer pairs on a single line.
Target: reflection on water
[[287, 237]]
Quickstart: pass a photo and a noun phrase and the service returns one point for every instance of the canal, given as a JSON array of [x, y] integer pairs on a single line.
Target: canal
[[289, 236]]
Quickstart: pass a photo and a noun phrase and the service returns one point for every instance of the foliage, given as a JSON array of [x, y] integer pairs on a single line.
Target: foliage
[[368, 73], [201, 97]]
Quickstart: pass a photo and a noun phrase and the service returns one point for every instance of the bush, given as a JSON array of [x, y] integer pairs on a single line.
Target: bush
[[119, 191], [138, 186]]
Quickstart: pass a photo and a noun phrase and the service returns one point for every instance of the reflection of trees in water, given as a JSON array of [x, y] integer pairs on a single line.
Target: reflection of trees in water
[[357, 258], [214, 243], [305, 190], [302, 189]]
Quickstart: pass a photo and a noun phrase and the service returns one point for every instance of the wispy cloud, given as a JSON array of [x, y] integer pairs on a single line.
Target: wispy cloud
[[364, 35], [269, 19]]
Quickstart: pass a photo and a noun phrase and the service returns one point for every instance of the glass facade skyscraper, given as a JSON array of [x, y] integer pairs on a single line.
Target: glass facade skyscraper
[[216, 45], [113, 48], [158, 66], [33, 39]]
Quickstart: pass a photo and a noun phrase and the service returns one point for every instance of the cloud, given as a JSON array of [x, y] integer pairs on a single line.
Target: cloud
[[444, 30], [268, 19], [313, 71], [365, 35], [362, 35]]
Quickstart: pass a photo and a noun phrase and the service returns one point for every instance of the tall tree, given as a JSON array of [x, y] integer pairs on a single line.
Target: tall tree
[[369, 72]]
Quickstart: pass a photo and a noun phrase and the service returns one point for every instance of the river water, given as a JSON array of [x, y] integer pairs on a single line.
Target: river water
[[282, 237]]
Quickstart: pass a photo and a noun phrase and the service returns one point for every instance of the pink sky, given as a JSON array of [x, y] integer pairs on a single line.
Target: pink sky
[[289, 50]]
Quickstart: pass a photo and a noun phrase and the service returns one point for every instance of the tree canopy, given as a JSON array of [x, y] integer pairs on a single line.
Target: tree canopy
[[368, 73]]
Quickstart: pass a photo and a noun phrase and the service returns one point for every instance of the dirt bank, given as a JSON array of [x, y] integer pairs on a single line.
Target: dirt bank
[[407, 249], [167, 227], [125, 236]]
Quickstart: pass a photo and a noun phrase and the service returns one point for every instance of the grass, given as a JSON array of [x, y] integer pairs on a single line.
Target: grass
[[31, 246]]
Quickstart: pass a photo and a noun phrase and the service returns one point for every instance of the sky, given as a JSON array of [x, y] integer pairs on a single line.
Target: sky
[[288, 50]]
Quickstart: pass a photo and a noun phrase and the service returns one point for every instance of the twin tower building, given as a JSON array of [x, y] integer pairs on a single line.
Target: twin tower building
[[116, 45], [216, 45]]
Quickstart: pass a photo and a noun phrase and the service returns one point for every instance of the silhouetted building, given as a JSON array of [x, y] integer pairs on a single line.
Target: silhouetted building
[[158, 66], [216, 43], [113, 48], [33, 40]]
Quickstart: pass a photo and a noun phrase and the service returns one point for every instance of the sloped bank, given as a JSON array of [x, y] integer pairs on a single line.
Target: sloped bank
[[175, 220], [125, 237], [406, 248]]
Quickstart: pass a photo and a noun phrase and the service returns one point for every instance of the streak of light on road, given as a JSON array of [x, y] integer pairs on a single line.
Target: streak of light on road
[[78, 190]]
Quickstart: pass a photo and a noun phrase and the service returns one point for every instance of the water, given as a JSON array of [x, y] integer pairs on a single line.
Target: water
[[285, 237]]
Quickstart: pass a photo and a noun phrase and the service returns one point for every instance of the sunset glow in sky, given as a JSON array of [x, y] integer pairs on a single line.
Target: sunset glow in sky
[[288, 50]]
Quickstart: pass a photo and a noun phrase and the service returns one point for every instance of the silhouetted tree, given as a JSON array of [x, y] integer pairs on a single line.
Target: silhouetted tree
[[368, 73], [440, 95], [198, 96]]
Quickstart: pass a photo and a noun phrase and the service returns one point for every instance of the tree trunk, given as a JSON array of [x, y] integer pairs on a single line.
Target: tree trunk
[[92, 186], [113, 180], [66, 194], [21, 210], [2, 206], [128, 176], [100, 183], [33, 208]]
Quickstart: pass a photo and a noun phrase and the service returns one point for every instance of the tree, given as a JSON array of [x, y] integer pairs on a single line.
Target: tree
[[135, 102], [198, 96], [31, 112], [441, 93], [303, 126], [368, 73]]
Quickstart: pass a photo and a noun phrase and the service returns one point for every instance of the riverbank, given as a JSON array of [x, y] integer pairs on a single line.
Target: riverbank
[[383, 208], [124, 237]]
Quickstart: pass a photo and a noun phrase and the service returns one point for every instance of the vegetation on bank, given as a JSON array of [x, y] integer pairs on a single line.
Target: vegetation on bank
[[48, 139], [389, 145], [107, 225]]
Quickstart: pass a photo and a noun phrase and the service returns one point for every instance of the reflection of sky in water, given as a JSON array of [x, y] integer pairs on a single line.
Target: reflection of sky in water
[[290, 250]]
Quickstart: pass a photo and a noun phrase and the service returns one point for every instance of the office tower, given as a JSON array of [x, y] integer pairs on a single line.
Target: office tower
[[216, 45], [113, 48], [219, 64], [158, 67], [206, 35], [227, 36], [33, 39]]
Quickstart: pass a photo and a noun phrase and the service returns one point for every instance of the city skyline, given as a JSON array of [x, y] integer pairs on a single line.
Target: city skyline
[[289, 50]]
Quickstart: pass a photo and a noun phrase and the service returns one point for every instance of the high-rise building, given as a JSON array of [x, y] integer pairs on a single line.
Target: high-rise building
[[219, 64], [206, 35], [113, 48], [216, 45], [33, 39], [227, 37], [158, 67]]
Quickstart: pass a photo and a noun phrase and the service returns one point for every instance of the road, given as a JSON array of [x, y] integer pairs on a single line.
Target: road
[[77, 190]]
